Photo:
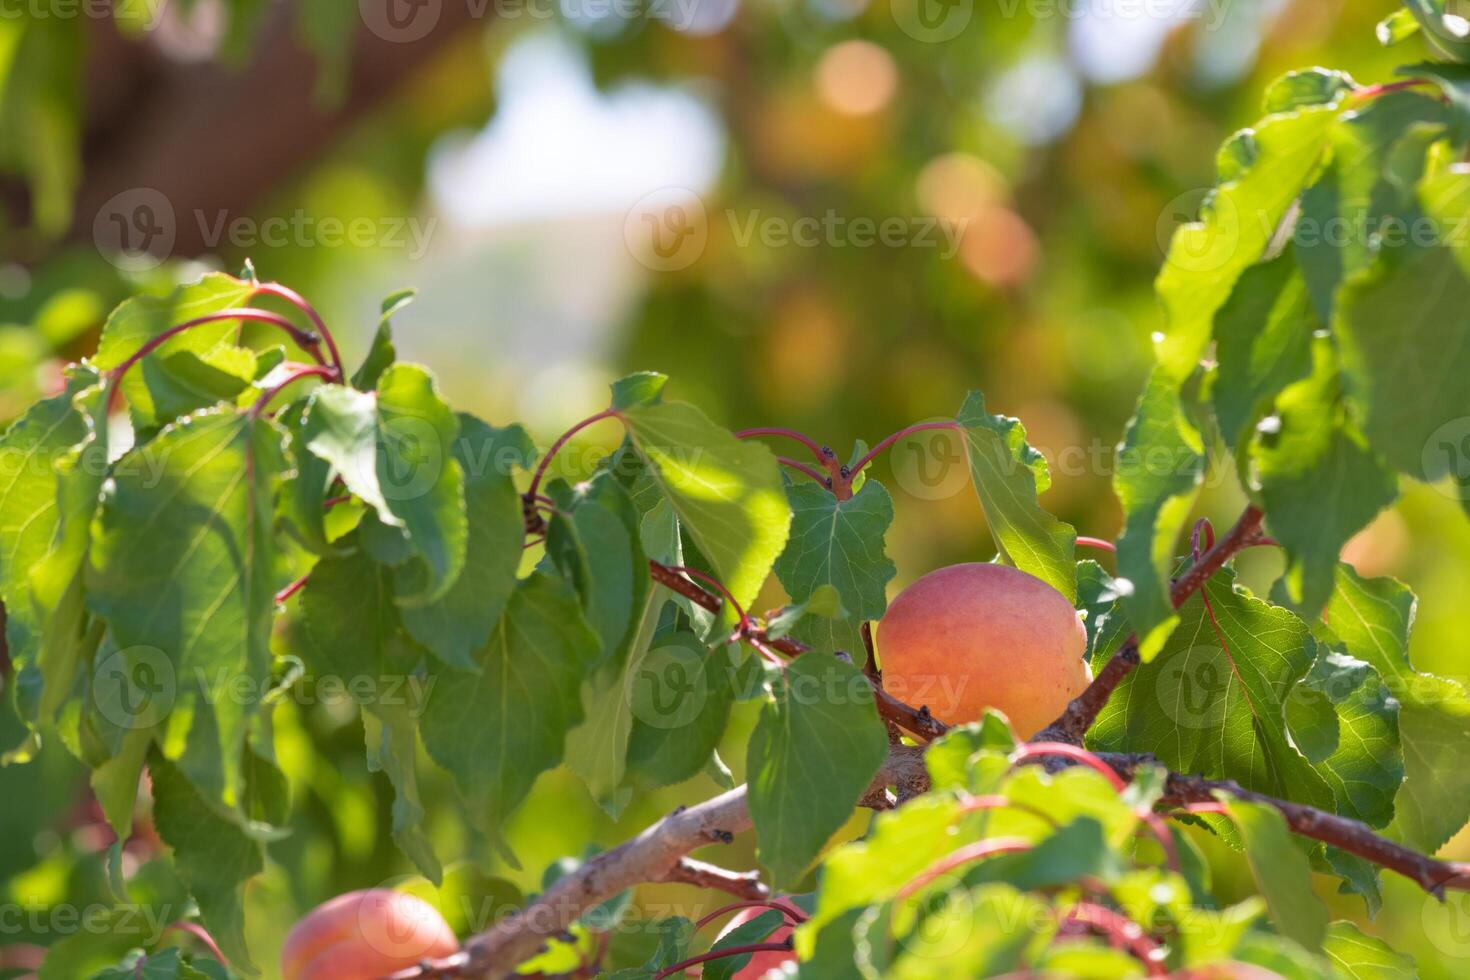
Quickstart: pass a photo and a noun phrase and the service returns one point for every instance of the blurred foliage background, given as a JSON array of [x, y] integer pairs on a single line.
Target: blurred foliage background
[[584, 188]]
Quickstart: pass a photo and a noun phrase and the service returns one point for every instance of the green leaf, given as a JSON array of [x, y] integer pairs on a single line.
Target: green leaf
[[1281, 872], [1403, 340], [1160, 466], [674, 934], [1356, 204], [497, 729], [455, 626], [1319, 481], [1236, 225], [395, 450], [183, 565], [1445, 198], [974, 934], [56, 581], [302, 507], [643, 388], [837, 543], [392, 748], [754, 930], [34, 448], [1363, 763], [213, 855], [1008, 475], [1444, 27], [142, 318], [726, 492], [596, 547], [681, 694], [1372, 618], [1214, 699], [381, 353], [1364, 957], [1308, 87], [353, 634], [1396, 27], [1263, 342], [812, 754]]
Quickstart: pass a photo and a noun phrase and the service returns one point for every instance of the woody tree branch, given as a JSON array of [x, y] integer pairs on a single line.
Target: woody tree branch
[[1084, 709]]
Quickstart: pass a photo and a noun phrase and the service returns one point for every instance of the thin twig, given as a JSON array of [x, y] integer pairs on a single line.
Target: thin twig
[[746, 885]]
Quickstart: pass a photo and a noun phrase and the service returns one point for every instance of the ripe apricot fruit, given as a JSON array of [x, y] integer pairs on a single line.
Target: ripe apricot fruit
[[760, 963], [975, 636], [364, 935]]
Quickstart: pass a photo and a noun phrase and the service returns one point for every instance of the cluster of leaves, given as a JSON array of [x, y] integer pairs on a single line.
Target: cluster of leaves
[[1003, 869], [142, 584]]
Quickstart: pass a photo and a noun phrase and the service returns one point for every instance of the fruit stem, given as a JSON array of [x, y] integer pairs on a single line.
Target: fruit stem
[[968, 854], [803, 468], [297, 300], [560, 442], [793, 914], [1367, 92], [200, 933], [719, 954], [300, 371], [290, 590], [889, 440], [1122, 932], [714, 583], [822, 453], [1098, 543], [1034, 750]]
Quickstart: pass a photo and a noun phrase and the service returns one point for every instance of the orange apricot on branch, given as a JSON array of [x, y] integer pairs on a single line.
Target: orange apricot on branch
[[364, 935], [975, 636]]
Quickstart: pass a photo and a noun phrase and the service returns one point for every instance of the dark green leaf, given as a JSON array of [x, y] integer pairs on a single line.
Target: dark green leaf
[[1160, 465], [381, 353], [1008, 475], [1402, 331], [497, 729], [1214, 699], [183, 568], [1236, 225], [1263, 342], [1355, 206], [214, 857], [838, 543], [814, 751], [1319, 481], [1281, 872], [456, 626]]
